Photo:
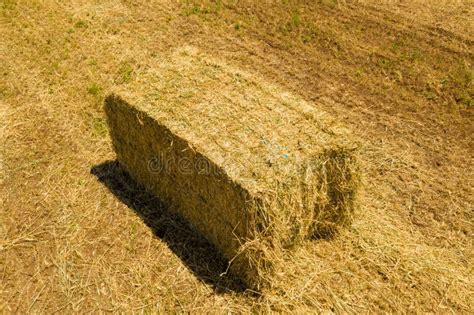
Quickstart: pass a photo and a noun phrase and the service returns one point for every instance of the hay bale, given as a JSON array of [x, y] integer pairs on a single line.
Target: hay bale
[[253, 168]]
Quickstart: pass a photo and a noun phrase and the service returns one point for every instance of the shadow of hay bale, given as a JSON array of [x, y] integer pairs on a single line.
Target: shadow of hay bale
[[200, 256]]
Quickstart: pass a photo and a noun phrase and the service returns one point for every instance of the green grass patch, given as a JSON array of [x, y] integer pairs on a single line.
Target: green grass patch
[[81, 24], [99, 126], [205, 7], [94, 89], [293, 24], [125, 73], [7, 4], [460, 85], [387, 63]]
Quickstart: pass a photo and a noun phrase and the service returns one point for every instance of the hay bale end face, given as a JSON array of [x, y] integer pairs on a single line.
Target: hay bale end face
[[253, 168]]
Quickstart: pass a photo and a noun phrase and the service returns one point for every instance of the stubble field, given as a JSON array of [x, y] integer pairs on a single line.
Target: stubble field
[[76, 235]]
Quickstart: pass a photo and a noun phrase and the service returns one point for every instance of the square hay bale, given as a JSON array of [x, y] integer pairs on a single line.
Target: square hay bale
[[253, 168]]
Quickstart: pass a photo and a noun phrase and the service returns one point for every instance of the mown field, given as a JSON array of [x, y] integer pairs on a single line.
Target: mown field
[[76, 236]]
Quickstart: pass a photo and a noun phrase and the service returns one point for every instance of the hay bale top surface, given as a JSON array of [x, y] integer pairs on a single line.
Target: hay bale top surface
[[254, 130]]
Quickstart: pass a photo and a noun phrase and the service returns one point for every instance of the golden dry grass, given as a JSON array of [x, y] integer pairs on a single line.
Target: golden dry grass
[[398, 73]]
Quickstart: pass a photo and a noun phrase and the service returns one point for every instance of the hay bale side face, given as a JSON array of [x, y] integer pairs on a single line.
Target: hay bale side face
[[251, 167], [199, 190]]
